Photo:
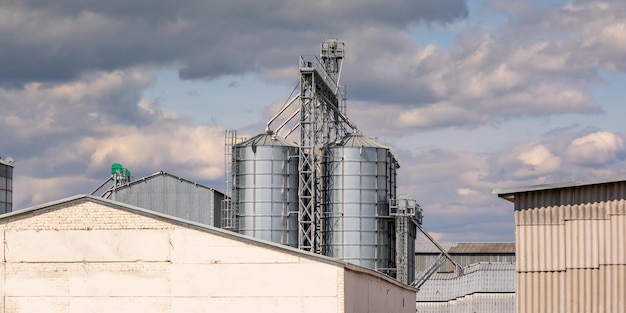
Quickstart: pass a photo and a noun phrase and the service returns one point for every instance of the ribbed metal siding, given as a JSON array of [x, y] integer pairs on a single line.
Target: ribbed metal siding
[[172, 196], [265, 189], [475, 303], [570, 195], [6, 188], [423, 261], [478, 278], [572, 258], [358, 182]]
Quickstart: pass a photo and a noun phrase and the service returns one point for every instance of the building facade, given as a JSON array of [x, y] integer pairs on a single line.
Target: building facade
[[571, 246], [89, 254]]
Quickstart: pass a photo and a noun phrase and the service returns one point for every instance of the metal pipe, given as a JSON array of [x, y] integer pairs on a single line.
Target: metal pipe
[[280, 127], [102, 185], [267, 128]]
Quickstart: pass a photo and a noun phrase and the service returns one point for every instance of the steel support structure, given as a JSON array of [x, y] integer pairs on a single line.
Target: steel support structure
[[405, 210], [321, 123], [229, 218]]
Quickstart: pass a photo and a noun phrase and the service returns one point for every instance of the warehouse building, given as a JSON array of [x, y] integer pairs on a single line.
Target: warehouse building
[[89, 254], [483, 287], [571, 246], [484, 281], [172, 195], [464, 253]]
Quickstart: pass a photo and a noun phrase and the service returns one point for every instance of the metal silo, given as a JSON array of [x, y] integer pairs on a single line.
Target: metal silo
[[265, 188], [6, 185], [359, 178]]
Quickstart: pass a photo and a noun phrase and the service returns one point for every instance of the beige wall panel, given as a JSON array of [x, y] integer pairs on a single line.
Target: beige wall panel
[[88, 279], [88, 304], [189, 246], [576, 290], [583, 243], [540, 247], [119, 305], [369, 294], [254, 280], [36, 305], [93, 245], [256, 305]]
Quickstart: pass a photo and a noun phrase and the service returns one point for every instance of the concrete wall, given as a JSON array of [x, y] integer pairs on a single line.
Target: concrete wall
[[366, 293], [89, 257]]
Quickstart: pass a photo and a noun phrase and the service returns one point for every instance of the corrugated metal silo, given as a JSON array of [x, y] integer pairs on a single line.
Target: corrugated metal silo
[[359, 178], [6, 186], [265, 188]]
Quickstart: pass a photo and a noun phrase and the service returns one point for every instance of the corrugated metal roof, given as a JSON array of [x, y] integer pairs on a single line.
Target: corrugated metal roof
[[509, 193], [266, 139], [4, 162], [162, 173], [467, 247], [358, 140], [483, 247], [429, 247]]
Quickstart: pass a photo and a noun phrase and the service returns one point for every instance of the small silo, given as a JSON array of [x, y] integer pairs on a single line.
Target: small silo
[[6, 185], [359, 178], [265, 188]]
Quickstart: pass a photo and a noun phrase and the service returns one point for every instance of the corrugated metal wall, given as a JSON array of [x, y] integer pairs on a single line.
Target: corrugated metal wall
[[478, 278], [173, 196], [423, 261], [572, 258], [464, 253], [474, 303]]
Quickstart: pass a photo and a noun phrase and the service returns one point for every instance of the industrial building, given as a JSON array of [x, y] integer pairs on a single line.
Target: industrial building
[[6, 185], [571, 246], [169, 194], [90, 254], [464, 253], [480, 277], [313, 181], [484, 287]]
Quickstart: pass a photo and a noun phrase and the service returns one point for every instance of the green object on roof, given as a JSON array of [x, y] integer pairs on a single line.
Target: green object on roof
[[116, 168]]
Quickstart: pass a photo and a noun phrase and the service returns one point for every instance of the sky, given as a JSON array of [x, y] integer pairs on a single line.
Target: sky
[[471, 95]]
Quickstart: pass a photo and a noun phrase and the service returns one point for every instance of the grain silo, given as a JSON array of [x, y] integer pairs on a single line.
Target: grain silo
[[329, 192], [359, 179], [265, 188]]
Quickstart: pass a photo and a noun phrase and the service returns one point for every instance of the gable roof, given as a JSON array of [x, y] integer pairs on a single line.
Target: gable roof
[[166, 174], [200, 227]]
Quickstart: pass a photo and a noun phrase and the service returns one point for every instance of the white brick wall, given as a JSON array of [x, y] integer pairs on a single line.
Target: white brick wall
[[87, 256]]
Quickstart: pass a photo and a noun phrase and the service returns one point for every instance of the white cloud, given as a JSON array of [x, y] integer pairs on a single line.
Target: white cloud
[[537, 161], [596, 148]]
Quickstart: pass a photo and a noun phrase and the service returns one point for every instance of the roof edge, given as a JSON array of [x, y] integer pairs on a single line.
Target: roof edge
[[509, 193], [210, 229]]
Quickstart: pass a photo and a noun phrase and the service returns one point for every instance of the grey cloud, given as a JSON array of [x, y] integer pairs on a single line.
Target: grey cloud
[[58, 40]]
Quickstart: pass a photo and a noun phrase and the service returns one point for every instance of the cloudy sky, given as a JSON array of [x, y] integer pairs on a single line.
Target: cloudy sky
[[472, 95]]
